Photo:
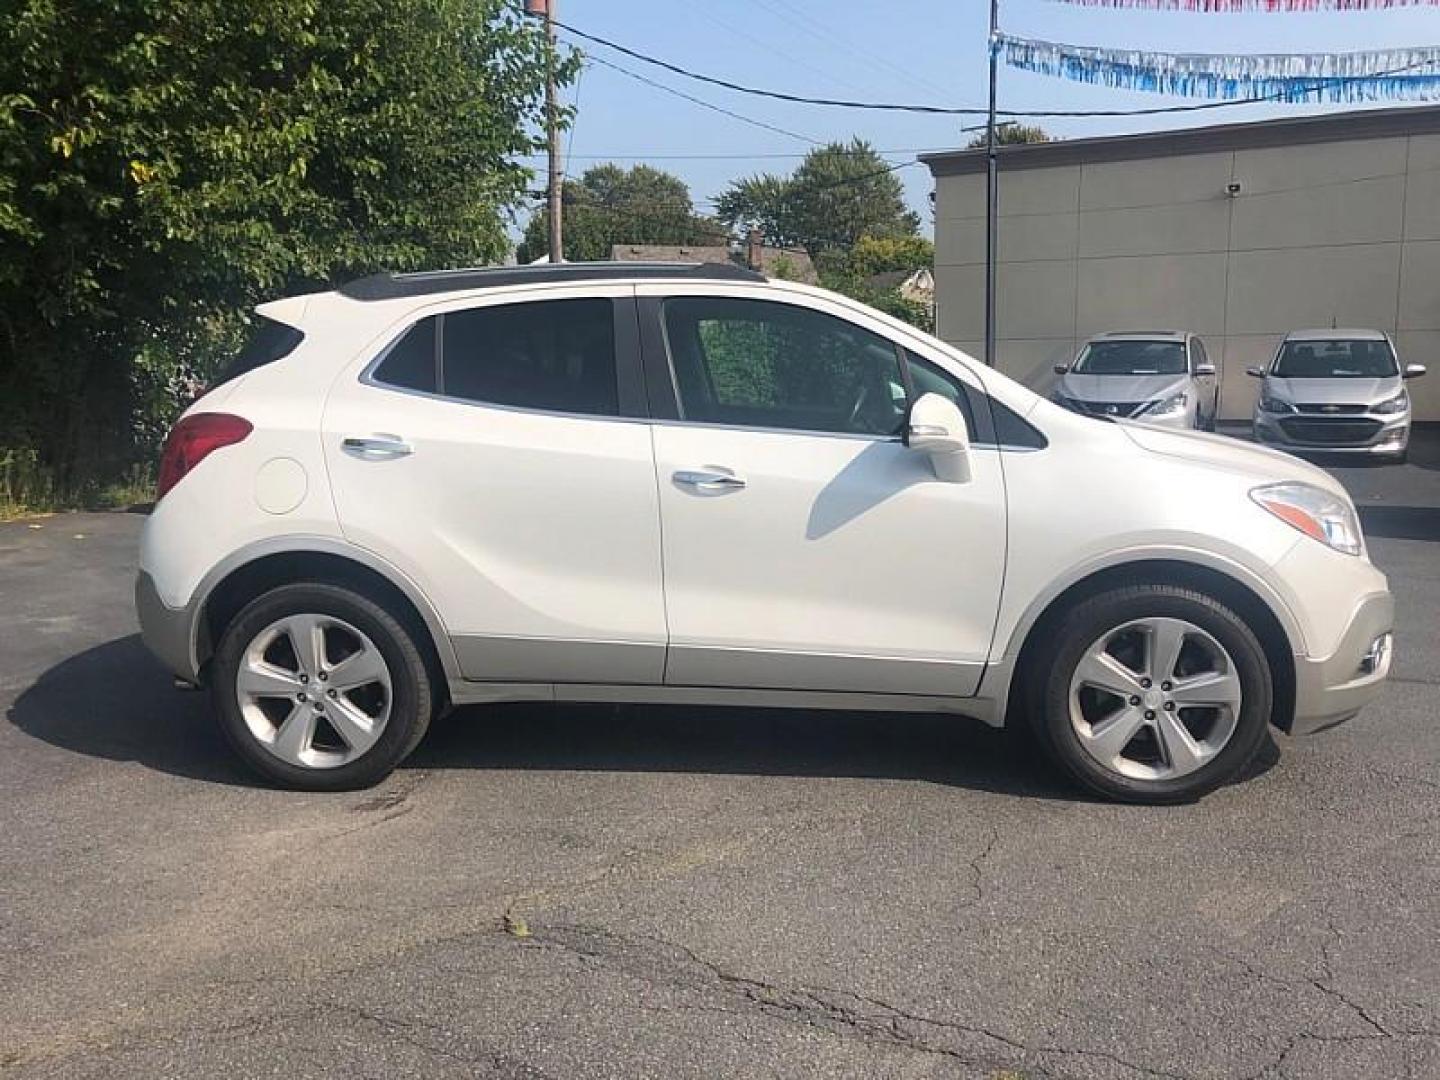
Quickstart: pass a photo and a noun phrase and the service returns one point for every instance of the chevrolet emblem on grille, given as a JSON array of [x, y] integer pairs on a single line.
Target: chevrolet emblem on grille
[[1329, 408], [1112, 409]]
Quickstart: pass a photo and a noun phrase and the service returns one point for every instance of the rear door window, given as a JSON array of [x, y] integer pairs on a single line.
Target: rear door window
[[413, 362]]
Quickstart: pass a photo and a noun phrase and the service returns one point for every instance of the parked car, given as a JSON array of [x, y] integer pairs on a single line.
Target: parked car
[[688, 484], [1336, 391], [1154, 376]]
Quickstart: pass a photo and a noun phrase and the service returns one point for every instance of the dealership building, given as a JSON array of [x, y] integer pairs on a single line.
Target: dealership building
[[1238, 232]]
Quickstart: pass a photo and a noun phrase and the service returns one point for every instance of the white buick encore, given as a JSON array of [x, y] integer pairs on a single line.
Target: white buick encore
[[686, 483]]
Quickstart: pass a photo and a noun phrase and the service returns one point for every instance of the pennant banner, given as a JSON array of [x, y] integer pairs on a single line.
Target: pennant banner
[[1255, 5], [1411, 74]]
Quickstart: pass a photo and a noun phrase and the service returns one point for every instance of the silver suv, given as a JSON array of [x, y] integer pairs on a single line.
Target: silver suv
[[1155, 376], [1335, 391]]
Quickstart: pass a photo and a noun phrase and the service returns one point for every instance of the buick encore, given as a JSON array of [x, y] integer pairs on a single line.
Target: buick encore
[[689, 484]]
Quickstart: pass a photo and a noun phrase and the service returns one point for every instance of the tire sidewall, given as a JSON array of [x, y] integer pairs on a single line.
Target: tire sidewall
[[1096, 617], [410, 693]]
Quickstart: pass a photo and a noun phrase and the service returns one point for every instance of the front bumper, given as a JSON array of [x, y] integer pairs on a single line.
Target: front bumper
[[167, 632], [1390, 438], [1331, 690]]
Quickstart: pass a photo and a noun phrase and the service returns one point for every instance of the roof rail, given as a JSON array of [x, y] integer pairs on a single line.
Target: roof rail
[[395, 286]]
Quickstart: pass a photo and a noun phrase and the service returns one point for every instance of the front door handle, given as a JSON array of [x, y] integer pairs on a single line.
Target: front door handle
[[712, 480], [377, 446]]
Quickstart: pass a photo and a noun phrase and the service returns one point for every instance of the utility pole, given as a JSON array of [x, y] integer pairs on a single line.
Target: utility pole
[[992, 189], [553, 204]]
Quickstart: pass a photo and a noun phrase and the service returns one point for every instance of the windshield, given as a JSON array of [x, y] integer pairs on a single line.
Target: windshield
[[1337, 359], [1132, 358]]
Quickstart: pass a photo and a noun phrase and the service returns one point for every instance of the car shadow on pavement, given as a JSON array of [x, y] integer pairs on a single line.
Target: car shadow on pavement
[[113, 701], [1401, 522]]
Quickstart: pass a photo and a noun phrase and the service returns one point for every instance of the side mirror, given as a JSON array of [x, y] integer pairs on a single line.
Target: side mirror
[[1414, 371], [1255, 372], [1204, 369], [1062, 369], [936, 427]]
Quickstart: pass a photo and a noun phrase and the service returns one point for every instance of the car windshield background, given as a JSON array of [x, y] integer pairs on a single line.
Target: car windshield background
[[1337, 359], [1132, 358], [756, 363]]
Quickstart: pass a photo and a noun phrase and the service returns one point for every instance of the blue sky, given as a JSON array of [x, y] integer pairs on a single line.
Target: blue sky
[[929, 51]]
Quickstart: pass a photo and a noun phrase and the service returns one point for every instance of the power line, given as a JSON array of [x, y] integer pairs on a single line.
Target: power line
[[591, 58], [945, 110]]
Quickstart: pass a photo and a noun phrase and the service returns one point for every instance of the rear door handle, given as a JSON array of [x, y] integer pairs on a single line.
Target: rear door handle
[[712, 479], [377, 446]]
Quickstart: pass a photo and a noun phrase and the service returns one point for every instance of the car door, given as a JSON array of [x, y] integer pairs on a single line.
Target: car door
[[805, 547], [494, 450]]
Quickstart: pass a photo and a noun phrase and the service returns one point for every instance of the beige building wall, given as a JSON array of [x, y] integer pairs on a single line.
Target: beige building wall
[[1340, 233]]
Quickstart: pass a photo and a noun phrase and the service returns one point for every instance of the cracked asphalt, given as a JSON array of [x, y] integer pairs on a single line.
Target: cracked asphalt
[[648, 892]]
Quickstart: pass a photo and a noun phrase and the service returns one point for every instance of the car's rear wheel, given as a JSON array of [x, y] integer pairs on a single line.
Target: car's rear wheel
[[320, 688], [1151, 693]]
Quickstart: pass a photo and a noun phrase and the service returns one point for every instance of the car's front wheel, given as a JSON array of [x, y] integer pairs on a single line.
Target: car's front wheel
[[320, 688], [1151, 693]]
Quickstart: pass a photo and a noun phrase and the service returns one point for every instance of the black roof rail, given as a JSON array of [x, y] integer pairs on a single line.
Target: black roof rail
[[395, 286]]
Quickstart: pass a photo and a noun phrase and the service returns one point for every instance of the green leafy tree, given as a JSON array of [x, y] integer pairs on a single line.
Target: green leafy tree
[[164, 165], [611, 205], [840, 192], [1011, 135]]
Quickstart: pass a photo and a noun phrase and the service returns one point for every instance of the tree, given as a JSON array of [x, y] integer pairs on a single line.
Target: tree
[[165, 165], [1010, 134], [610, 205], [839, 193]]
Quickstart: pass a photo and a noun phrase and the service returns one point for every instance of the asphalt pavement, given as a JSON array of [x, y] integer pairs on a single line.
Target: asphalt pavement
[[679, 892]]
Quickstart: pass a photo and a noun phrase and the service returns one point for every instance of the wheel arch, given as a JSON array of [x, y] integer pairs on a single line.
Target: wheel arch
[[1272, 623], [255, 570]]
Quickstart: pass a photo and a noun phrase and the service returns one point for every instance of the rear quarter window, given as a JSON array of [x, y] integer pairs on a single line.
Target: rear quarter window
[[268, 342]]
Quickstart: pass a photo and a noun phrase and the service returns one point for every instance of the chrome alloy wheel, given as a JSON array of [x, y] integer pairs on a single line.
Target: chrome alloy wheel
[[314, 691], [1155, 699]]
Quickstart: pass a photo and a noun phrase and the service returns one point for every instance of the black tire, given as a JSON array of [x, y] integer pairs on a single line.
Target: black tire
[[412, 698], [1051, 666]]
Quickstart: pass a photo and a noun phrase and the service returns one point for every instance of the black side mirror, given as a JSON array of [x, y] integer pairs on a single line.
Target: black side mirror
[[1255, 372], [1061, 369]]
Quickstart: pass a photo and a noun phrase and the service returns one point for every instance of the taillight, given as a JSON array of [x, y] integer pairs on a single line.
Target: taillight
[[191, 441]]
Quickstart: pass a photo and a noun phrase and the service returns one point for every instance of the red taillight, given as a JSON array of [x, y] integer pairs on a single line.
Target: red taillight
[[191, 441]]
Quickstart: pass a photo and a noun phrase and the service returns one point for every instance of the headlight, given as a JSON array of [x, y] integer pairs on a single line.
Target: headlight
[[1315, 512], [1173, 405], [1399, 403], [1275, 405]]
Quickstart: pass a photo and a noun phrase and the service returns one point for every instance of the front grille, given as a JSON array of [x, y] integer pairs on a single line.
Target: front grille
[[1331, 409], [1330, 432], [1121, 409]]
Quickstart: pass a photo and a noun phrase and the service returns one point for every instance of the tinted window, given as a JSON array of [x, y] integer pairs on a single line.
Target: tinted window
[[1339, 359], [762, 364], [411, 361], [1132, 358], [267, 342], [557, 355]]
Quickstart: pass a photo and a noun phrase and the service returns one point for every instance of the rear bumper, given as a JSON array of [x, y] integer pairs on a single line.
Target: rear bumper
[[167, 632], [1331, 690]]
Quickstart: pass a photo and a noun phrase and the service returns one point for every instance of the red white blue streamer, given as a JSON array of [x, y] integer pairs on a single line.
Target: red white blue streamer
[[1229, 6], [1406, 74]]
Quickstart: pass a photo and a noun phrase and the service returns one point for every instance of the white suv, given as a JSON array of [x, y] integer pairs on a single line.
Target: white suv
[[686, 483]]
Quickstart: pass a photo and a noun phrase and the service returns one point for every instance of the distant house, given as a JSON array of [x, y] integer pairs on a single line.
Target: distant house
[[786, 264], [914, 285]]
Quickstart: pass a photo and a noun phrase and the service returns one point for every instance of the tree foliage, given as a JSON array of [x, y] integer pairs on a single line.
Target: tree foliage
[[164, 165], [1011, 135], [839, 193], [611, 205]]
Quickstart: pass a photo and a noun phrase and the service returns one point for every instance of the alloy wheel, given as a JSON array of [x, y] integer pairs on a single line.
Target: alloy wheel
[[314, 691], [1155, 699]]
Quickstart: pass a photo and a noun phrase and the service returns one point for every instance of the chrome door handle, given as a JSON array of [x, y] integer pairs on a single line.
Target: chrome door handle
[[377, 445], [711, 480]]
